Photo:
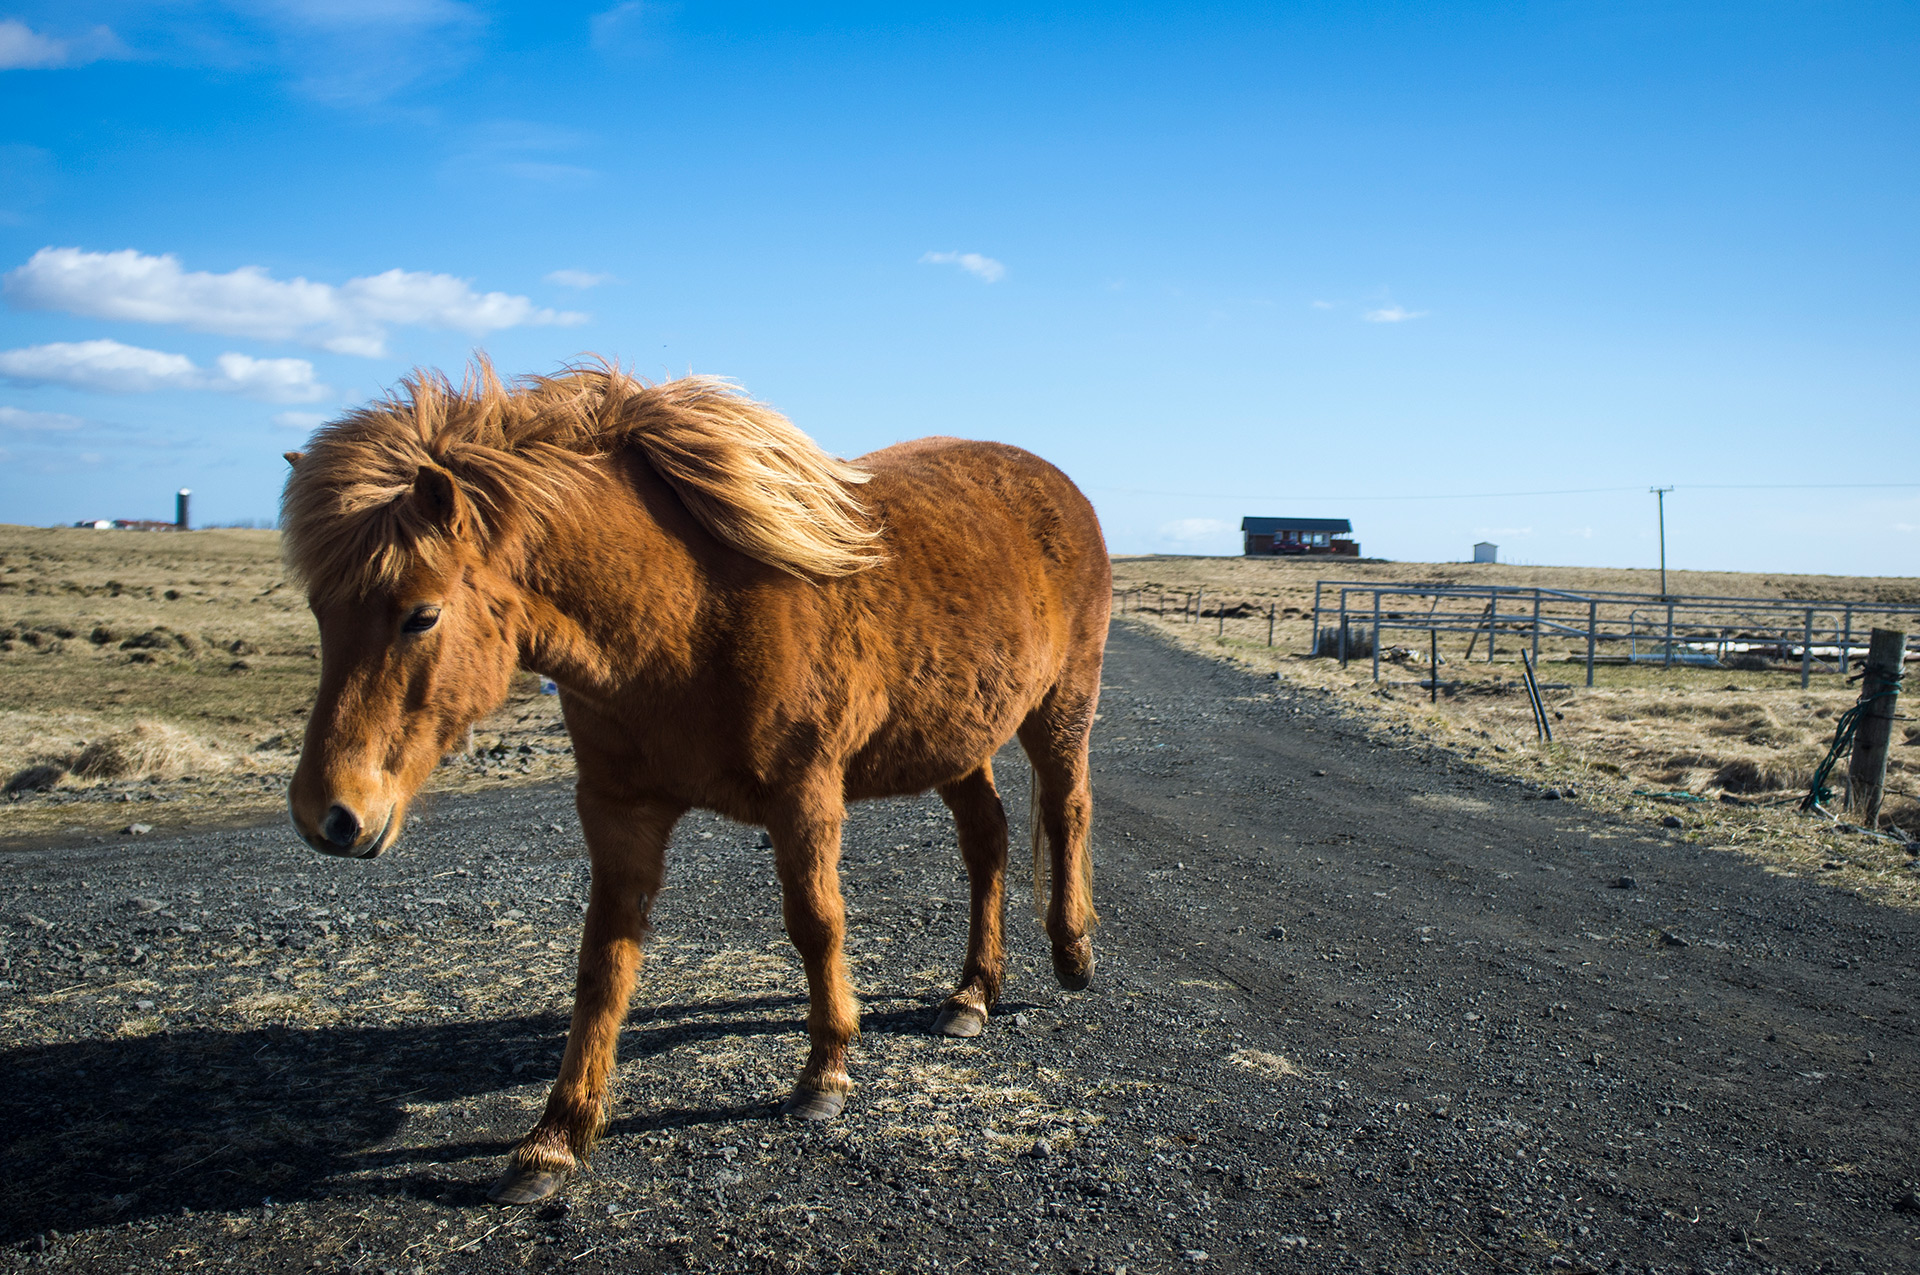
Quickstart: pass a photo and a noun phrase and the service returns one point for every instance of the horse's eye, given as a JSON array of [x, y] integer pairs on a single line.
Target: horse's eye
[[422, 619]]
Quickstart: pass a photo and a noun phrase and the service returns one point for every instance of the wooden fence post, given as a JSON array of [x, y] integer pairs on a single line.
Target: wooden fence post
[[1270, 607], [1880, 695]]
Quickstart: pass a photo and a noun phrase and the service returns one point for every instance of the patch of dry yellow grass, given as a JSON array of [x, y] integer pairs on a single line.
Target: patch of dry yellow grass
[[129, 655], [150, 750], [1752, 735]]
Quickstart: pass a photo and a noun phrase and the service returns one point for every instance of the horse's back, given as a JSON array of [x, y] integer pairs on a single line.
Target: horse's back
[[987, 503], [995, 590]]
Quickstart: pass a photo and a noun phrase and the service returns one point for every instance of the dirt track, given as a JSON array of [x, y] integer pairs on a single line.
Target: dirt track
[[1398, 1016]]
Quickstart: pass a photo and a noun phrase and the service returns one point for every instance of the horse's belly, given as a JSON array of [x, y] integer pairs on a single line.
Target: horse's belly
[[915, 755]]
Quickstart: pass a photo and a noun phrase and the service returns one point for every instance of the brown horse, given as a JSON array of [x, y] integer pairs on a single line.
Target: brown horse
[[737, 622]]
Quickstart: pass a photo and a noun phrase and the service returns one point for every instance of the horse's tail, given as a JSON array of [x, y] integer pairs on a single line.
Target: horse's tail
[[1042, 871]]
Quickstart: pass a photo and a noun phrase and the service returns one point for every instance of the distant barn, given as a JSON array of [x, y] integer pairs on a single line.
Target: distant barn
[[1266, 536]]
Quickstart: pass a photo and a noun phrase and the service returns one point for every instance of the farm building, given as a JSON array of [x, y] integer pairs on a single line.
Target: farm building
[[1486, 551], [179, 522], [1299, 535]]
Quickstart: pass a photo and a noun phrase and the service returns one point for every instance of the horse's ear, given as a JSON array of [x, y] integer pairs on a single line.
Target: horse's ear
[[438, 497], [294, 458]]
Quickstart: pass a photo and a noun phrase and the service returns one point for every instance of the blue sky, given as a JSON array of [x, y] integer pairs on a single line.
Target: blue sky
[[1393, 262]]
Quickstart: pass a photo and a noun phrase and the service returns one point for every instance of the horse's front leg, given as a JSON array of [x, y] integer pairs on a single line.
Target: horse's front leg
[[626, 844], [806, 850]]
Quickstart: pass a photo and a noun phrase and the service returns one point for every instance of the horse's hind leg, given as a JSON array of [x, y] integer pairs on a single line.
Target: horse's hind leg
[[981, 822], [806, 852], [626, 844], [1055, 737]]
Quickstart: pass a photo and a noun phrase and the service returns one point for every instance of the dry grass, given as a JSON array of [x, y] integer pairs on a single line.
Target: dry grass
[[150, 750], [158, 664], [154, 665], [1754, 736]]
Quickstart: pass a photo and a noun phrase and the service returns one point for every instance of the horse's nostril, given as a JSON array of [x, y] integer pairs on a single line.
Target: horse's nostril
[[341, 828]]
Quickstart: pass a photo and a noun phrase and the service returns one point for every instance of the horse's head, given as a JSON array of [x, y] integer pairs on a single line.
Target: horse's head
[[410, 657]]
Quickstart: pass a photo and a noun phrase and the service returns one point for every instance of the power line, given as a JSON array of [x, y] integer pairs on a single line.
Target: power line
[[1788, 486], [1502, 495]]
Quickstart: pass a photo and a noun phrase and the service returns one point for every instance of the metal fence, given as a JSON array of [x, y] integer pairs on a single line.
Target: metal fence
[[1642, 628]]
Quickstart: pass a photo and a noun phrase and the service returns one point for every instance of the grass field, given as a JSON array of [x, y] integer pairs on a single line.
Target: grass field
[[154, 677], [164, 678], [1751, 737]]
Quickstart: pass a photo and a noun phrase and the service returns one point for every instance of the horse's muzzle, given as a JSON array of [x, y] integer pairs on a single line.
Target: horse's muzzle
[[341, 827], [342, 833]]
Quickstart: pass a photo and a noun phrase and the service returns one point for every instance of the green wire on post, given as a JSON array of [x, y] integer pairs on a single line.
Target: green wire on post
[[1818, 794]]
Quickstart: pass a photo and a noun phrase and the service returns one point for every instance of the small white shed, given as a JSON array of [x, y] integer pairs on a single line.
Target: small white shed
[[1486, 551]]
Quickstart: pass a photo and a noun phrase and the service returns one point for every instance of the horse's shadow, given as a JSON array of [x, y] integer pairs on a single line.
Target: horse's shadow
[[113, 1130]]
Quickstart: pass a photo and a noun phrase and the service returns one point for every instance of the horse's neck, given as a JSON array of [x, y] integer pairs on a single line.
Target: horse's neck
[[613, 593]]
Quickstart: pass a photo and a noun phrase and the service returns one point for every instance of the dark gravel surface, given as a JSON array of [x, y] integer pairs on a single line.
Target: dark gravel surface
[[1396, 1016]]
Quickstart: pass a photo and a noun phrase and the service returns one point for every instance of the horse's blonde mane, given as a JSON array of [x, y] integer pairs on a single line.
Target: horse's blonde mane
[[523, 453]]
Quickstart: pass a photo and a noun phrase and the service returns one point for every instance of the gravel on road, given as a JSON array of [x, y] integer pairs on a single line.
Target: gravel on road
[[1360, 1005]]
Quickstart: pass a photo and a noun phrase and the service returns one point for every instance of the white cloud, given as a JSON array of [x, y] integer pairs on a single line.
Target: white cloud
[[20, 418], [274, 380], [1393, 314], [301, 420], [23, 48], [359, 52], [1503, 531], [972, 262], [358, 14], [524, 151], [350, 319], [1905, 526], [1194, 531], [1323, 305], [113, 368], [98, 365], [577, 278]]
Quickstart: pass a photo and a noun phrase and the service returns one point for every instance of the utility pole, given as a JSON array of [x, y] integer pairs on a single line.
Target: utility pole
[[1661, 492]]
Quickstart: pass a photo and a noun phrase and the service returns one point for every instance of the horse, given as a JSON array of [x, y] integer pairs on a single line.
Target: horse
[[737, 622]]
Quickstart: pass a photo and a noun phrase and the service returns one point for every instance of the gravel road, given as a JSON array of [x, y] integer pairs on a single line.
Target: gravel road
[[1359, 1006]]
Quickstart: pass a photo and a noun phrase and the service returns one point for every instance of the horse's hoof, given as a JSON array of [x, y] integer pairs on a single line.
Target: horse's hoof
[[957, 1018], [526, 1186], [1073, 964], [813, 1104]]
